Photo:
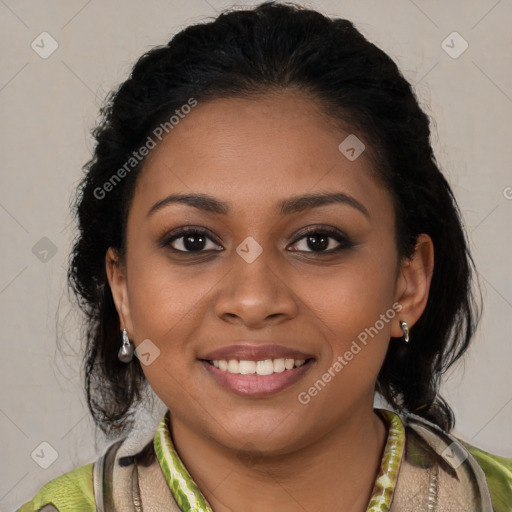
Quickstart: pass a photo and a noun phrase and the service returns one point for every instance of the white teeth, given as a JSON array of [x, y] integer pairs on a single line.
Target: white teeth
[[233, 366], [288, 363], [264, 367], [247, 367], [278, 365]]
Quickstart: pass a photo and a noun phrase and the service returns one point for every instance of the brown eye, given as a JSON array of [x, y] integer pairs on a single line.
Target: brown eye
[[191, 240], [322, 240]]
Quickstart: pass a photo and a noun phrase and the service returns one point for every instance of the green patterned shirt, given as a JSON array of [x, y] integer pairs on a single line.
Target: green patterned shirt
[[73, 491]]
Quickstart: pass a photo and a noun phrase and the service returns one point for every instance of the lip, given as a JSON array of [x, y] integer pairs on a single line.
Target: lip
[[257, 386], [252, 352]]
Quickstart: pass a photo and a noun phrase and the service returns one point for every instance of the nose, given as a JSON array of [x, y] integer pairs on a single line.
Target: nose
[[255, 294]]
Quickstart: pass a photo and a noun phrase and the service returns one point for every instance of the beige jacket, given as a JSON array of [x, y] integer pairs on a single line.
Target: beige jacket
[[437, 473]]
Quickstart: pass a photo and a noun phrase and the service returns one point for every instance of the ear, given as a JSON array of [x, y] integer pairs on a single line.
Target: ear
[[413, 284], [116, 275]]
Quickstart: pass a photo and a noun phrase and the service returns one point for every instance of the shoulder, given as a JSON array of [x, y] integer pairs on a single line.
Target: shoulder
[[493, 471], [498, 473], [72, 491]]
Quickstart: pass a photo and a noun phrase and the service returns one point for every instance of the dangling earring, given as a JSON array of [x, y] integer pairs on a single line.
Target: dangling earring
[[125, 354], [405, 329]]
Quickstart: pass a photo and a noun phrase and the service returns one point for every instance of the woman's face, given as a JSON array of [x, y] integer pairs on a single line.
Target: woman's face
[[253, 285]]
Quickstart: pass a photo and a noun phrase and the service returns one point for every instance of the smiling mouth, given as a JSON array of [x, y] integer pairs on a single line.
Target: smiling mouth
[[261, 368], [257, 379]]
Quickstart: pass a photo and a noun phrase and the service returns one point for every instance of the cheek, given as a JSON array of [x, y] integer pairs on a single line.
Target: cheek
[[353, 307], [165, 302], [165, 307], [352, 296]]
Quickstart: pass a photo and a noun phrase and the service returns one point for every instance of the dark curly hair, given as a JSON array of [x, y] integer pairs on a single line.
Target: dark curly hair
[[272, 47]]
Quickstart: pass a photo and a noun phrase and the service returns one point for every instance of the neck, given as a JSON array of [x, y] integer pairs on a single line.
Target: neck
[[336, 472]]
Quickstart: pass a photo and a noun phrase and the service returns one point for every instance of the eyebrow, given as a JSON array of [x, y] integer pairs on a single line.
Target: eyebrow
[[288, 206]]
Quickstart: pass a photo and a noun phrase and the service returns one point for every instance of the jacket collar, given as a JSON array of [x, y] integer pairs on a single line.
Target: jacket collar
[[190, 499]]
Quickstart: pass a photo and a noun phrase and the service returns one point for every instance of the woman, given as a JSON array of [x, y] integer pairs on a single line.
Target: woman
[[264, 222]]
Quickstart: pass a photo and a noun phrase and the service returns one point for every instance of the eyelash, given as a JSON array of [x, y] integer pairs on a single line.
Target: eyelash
[[339, 236]]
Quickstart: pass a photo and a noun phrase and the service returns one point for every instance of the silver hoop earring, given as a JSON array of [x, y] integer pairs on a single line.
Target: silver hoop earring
[[405, 329], [125, 354]]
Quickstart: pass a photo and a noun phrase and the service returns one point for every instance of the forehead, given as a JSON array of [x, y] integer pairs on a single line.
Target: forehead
[[257, 150]]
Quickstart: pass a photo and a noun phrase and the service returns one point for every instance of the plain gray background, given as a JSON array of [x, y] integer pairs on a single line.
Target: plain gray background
[[49, 106]]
